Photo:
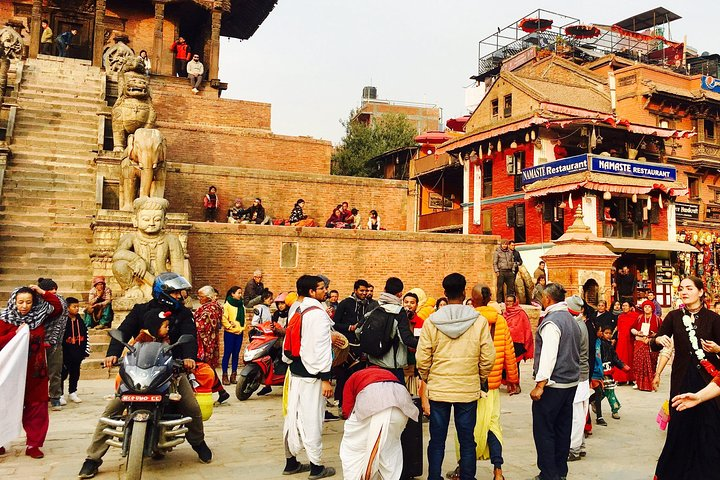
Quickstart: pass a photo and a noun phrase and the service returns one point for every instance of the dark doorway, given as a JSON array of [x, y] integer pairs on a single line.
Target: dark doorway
[[63, 21], [193, 25]]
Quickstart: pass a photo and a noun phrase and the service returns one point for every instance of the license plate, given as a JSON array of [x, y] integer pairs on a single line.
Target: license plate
[[141, 398]]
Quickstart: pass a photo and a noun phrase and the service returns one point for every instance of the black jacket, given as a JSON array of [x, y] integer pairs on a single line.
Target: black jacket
[[181, 322], [350, 311]]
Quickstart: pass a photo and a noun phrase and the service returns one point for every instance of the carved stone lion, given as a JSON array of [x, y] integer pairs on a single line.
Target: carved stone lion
[[133, 108]]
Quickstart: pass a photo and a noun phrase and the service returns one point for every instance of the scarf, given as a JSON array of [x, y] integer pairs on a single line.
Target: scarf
[[513, 313], [55, 327], [33, 319], [240, 317], [386, 298]]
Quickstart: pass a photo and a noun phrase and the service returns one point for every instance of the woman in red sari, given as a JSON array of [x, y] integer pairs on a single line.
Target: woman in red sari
[[34, 307], [624, 345], [644, 360], [208, 321]]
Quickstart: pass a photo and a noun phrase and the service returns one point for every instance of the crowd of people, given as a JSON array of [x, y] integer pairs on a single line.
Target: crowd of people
[[342, 215], [451, 355]]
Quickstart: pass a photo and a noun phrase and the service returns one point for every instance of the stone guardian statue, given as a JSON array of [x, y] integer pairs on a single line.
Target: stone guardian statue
[[133, 108], [147, 252]]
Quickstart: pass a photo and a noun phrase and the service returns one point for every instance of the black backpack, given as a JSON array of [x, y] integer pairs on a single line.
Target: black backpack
[[376, 332]]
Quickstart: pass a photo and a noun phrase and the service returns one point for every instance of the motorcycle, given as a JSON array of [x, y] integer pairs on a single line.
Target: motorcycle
[[263, 361], [149, 427]]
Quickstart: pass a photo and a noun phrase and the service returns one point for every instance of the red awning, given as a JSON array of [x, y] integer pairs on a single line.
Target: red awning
[[458, 124], [432, 137]]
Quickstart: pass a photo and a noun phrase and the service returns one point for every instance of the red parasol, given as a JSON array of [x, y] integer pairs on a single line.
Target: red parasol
[[432, 137], [531, 25], [582, 31], [458, 124]]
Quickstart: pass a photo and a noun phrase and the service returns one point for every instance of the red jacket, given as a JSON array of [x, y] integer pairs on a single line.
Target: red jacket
[[182, 50], [360, 380]]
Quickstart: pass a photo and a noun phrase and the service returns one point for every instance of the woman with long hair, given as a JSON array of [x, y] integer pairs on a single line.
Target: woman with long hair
[[644, 360], [208, 321], [692, 445], [233, 321], [34, 307], [624, 344]]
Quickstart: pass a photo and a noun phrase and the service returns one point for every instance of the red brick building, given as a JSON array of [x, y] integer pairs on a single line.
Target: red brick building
[[556, 130]]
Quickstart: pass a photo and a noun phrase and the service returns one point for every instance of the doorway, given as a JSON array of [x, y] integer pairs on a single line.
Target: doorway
[[82, 44]]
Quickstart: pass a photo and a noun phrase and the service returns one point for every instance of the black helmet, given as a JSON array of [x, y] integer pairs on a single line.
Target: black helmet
[[166, 283]]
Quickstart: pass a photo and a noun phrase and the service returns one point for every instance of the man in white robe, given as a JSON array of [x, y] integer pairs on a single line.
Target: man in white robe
[[377, 407], [309, 383]]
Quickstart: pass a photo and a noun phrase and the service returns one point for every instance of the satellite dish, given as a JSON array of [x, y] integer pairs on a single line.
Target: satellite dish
[[704, 54]]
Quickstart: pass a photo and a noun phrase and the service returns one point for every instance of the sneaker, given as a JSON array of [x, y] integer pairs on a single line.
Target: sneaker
[[300, 468], [56, 405], [74, 398], [223, 397], [635, 387], [616, 416], [195, 90], [34, 452], [89, 468], [62, 400], [204, 453], [601, 421], [329, 417], [265, 390], [325, 472], [573, 457]]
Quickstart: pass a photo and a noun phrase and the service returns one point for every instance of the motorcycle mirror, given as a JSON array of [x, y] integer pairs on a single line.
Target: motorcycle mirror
[[115, 334], [184, 338]]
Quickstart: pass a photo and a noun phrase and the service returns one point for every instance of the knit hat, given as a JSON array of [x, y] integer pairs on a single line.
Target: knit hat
[[47, 284], [648, 303], [98, 279], [153, 320], [575, 305], [291, 298]]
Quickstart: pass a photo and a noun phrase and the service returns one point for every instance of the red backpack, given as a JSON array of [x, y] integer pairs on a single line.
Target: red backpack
[[293, 334]]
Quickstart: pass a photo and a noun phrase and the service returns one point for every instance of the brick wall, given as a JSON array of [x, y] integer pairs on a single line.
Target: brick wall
[[187, 184], [224, 255]]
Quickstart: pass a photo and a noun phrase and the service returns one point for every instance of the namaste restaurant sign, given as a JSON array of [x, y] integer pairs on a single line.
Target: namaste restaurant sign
[[599, 164]]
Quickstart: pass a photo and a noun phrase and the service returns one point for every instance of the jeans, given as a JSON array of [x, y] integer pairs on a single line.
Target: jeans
[[195, 80], [495, 450], [233, 343], [55, 367], [552, 426], [465, 418], [62, 49]]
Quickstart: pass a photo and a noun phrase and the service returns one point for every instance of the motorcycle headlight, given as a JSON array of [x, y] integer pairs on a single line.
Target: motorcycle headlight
[[140, 379]]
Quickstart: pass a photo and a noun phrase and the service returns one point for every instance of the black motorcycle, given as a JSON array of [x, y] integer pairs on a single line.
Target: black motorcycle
[[149, 426]]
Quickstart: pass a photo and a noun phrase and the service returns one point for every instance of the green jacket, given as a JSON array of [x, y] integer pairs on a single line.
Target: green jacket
[[47, 36]]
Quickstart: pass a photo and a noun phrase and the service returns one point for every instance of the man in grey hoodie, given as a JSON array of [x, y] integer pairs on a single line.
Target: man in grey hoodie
[[455, 356], [396, 359]]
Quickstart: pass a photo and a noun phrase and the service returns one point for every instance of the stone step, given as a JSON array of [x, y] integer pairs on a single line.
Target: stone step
[[56, 92], [19, 172], [60, 103], [39, 217], [44, 110], [52, 59], [21, 248], [55, 141], [53, 210], [27, 126], [19, 182], [58, 99], [53, 161], [60, 110], [19, 271], [70, 286], [66, 80], [54, 262]]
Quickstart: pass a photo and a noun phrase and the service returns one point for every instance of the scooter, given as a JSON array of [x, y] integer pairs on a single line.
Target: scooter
[[149, 376], [263, 361]]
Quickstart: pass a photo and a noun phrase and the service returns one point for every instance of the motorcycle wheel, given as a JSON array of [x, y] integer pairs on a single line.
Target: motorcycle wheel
[[248, 384], [134, 465]]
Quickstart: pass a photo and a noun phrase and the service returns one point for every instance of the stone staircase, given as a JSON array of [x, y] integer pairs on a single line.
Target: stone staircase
[[48, 194], [49, 190]]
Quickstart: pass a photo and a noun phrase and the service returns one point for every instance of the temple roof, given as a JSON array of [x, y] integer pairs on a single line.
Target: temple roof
[[245, 17]]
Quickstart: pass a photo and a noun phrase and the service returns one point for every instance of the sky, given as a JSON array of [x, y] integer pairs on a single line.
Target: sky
[[311, 58]]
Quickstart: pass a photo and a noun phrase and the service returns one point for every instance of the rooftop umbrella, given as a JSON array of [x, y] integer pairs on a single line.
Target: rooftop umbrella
[[531, 25], [582, 31]]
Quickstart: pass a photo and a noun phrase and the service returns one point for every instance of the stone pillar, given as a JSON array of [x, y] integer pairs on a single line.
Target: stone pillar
[[214, 59], [158, 37], [35, 28], [99, 37], [578, 256]]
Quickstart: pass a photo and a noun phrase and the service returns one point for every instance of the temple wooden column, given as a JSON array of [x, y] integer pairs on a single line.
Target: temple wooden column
[[215, 43], [35, 28], [158, 36], [99, 36]]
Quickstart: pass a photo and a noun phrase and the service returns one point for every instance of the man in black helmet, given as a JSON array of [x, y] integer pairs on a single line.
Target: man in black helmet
[[166, 294]]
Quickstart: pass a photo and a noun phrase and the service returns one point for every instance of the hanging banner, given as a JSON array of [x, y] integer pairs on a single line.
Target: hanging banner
[[566, 166], [13, 370]]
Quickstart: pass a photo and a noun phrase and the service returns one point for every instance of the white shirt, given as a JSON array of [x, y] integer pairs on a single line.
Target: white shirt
[[316, 343], [550, 334]]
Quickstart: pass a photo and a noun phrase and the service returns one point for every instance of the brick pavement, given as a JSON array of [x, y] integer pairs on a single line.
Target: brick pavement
[[245, 438]]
